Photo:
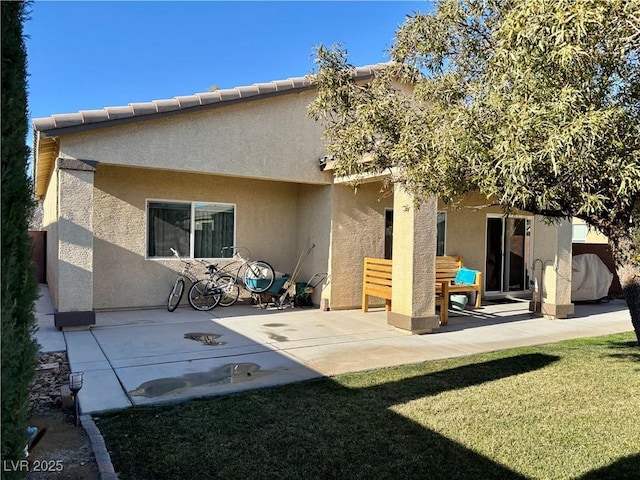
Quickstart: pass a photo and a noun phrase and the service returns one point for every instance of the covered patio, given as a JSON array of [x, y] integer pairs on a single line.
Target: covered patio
[[518, 255]]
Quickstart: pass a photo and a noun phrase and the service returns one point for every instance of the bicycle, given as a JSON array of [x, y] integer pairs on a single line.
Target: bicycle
[[175, 295], [257, 277], [205, 294]]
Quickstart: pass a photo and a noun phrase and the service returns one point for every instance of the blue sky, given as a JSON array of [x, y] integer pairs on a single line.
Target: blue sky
[[90, 55]]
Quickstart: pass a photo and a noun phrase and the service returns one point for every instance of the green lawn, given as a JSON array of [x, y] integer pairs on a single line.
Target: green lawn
[[568, 410]]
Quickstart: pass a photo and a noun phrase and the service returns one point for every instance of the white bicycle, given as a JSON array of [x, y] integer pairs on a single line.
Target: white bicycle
[[256, 276], [175, 295]]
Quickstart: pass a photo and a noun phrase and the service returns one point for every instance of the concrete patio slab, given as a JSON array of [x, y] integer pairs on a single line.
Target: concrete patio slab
[[299, 328], [82, 348], [337, 359], [49, 338], [101, 391], [142, 357], [124, 343], [161, 383]]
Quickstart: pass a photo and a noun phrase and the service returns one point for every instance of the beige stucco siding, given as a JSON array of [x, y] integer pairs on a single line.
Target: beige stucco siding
[[75, 240], [314, 228], [466, 228], [50, 224], [268, 139], [266, 214], [357, 232]]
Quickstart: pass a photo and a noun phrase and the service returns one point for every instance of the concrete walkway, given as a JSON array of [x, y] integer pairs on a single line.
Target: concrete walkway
[[152, 356]]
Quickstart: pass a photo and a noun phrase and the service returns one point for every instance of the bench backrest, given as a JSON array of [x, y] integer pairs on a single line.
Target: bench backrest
[[447, 267], [377, 273], [377, 277]]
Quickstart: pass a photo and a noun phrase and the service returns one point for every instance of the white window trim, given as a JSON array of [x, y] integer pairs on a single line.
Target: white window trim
[[191, 227], [586, 234]]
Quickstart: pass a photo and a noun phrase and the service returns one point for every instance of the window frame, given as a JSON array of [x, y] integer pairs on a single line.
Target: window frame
[[192, 223], [577, 226], [386, 246], [444, 232]]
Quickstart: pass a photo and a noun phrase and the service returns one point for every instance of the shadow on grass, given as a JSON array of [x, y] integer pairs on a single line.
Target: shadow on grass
[[314, 430], [627, 468], [626, 350]]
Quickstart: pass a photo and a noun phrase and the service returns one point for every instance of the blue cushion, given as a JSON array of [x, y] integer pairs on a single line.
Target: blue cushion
[[465, 276]]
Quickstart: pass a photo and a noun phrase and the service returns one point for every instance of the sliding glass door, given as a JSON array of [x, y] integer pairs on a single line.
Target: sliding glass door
[[508, 254]]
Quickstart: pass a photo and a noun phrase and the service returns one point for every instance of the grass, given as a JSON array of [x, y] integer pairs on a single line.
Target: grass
[[568, 410]]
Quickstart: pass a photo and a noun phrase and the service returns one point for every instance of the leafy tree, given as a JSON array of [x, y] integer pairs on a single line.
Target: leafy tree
[[19, 288], [534, 103]]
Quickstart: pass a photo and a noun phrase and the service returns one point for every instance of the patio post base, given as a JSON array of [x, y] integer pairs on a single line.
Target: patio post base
[[74, 319], [415, 325], [550, 310]]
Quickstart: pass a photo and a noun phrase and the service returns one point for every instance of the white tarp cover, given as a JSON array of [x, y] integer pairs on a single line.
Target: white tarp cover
[[590, 279]]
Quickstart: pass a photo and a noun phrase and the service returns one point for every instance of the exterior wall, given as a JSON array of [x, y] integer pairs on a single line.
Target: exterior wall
[[50, 224], [593, 235], [314, 227], [357, 232], [466, 230], [544, 243], [124, 278], [75, 241], [270, 138], [413, 293], [552, 245]]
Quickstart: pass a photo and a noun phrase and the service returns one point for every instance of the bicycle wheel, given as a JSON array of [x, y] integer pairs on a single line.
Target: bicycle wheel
[[259, 276], [229, 290], [175, 295], [204, 295]]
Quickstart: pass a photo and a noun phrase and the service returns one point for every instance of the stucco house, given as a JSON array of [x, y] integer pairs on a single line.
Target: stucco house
[[243, 166]]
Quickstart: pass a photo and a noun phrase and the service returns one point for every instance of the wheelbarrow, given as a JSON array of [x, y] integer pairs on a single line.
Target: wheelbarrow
[[280, 296], [276, 295]]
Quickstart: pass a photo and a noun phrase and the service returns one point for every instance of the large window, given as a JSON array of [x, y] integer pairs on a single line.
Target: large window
[[194, 229]]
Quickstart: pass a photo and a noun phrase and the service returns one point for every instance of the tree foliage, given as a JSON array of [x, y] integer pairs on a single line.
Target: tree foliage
[[19, 287], [534, 103]]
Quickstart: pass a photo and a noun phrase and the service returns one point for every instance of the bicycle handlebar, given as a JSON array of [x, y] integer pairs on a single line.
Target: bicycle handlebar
[[235, 251], [188, 262]]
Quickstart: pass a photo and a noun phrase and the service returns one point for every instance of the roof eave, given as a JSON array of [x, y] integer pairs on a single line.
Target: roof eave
[[46, 151], [124, 120], [64, 124]]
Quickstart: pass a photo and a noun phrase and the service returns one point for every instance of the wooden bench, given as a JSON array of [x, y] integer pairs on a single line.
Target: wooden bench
[[376, 282], [447, 268]]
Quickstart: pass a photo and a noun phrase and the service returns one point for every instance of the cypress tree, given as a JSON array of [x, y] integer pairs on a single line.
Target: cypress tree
[[19, 287]]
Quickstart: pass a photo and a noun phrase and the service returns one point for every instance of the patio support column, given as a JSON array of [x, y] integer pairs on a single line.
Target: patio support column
[[413, 306], [75, 243], [554, 249]]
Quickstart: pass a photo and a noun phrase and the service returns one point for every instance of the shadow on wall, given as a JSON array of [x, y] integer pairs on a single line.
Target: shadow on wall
[[124, 279], [121, 278], [39, 254]]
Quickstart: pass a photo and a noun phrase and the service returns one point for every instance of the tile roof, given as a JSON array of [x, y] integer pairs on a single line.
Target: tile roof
[[92, 118]]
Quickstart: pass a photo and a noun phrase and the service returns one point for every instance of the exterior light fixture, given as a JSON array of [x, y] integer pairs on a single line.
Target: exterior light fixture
[[75, 384]]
